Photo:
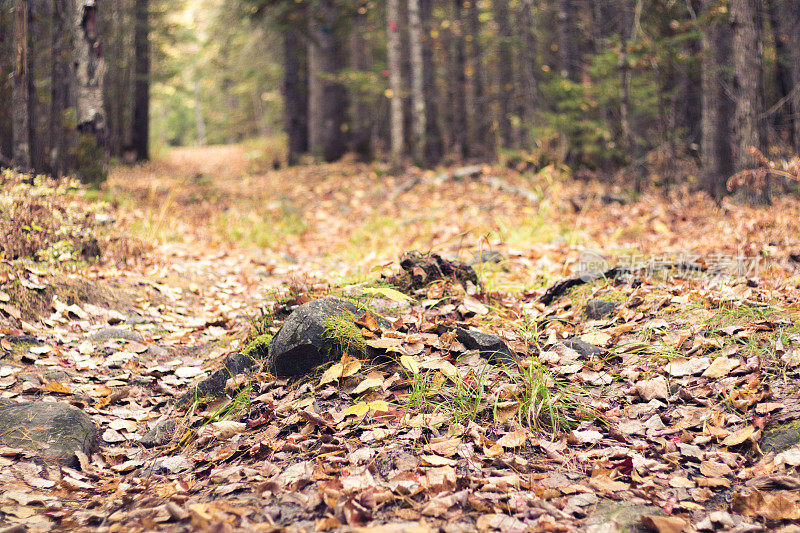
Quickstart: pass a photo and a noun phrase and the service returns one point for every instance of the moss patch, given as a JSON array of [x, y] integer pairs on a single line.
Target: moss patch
[[344, 336], [258, 348]]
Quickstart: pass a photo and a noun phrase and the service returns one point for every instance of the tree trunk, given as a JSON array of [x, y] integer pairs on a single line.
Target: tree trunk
[[788, 33], [433, 136], [567, 31], [141, 106], [295, 95], [199, 121], [505, 71], [62, 136], [457, 84], [21, 150], [480, 122], [91, 120], [717, 158], [417, 79], [747, 90], [395, 81], [362, 113], [529, 70], [327, 108], [625, 32]]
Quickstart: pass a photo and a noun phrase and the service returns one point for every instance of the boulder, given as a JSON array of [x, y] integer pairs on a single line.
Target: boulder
[[52, 430], [490, 346], [214, 385], [302, 343], [599, 309]]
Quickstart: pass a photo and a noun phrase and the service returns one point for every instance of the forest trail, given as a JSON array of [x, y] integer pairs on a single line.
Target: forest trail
[[680, 377]]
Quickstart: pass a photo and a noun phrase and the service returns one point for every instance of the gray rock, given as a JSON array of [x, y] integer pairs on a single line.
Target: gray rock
[[599, 309], [52, 430], [137, 320], [160, 434], [584, 348], [116, 333], [780, 438], [157, 351], [57, 375], [490, 346], [620, 516], [214, 385], [301, 344], [487, 256]]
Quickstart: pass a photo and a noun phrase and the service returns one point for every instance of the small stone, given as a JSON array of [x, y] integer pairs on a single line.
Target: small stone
[[214, 385], [490, 346], [599, 309], [584, 348], [116, 333], [160, 434]]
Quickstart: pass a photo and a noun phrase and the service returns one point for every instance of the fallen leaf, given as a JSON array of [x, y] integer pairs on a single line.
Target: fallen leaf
[[720, 366]]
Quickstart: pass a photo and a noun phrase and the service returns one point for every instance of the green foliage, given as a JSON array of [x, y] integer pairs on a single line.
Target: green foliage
[[91, 160]]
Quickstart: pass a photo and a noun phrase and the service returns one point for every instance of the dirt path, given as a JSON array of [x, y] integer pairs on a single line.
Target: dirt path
[[668, 420]]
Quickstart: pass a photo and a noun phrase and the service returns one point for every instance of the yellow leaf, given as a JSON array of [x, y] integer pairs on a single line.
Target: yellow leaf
[[358, 410], [55, 386], [333, 373], [368, 383], [392, 294], [378, 405], [351, 365], [409, 364]]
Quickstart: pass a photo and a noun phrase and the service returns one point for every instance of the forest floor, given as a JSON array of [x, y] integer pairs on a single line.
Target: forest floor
[[681, 415]]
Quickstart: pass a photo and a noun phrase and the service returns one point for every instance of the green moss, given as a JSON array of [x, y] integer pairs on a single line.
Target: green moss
[[343, 335], [258, 347], [781, 437]]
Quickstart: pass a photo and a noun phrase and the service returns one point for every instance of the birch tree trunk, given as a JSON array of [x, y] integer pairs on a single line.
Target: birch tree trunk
[[90, 69], [417, 79], [395, 81], [717, 158], [21, 149]]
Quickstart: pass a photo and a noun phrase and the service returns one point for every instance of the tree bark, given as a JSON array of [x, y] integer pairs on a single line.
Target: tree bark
[[747, 90], [457, 84], [295, 95], [362, 113], [417, 80], [717, 157], [141, 106], [788, 34], [567, 31], [327, 108], [505, 71], [62, 114], [395, 81], [529, 70], [480, 122], [433, 136], [21, 149]]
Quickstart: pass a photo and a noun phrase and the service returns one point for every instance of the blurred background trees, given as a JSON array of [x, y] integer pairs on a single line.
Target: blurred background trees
[[648, 91]]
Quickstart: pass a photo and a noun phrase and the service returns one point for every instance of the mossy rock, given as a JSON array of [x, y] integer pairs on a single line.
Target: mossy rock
[[781, 437], [315, 333]]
